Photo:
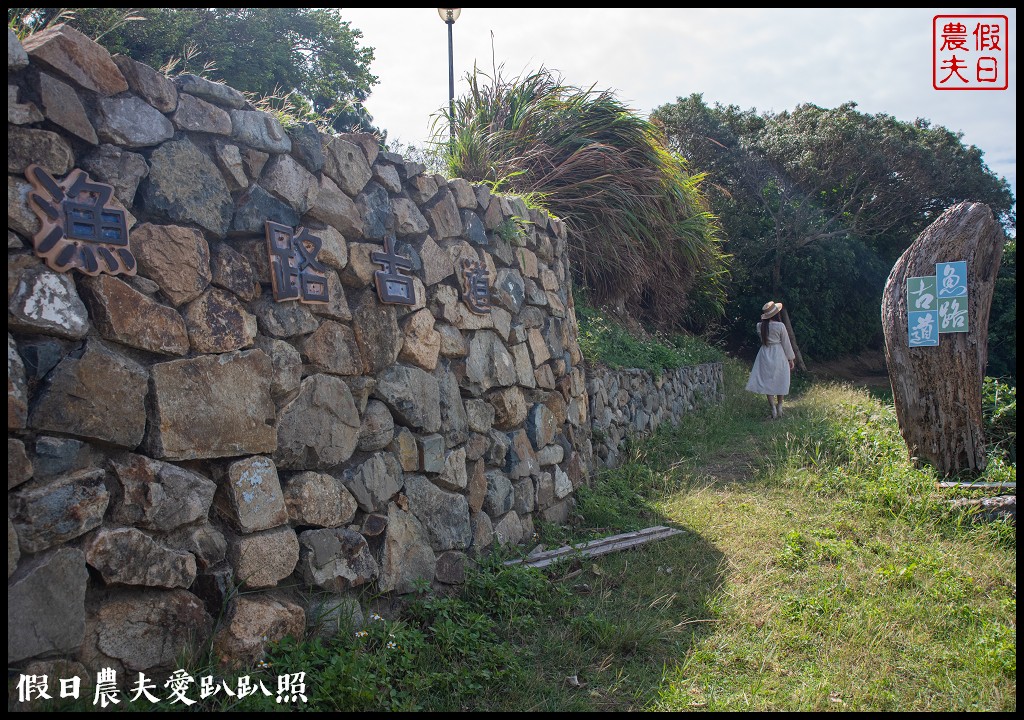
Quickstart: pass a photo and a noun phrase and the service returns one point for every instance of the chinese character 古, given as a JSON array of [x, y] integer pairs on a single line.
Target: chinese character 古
[[392, 286]]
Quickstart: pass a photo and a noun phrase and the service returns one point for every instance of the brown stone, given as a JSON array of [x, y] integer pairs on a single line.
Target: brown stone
[[123, 314], [177, 258], [75, 56]]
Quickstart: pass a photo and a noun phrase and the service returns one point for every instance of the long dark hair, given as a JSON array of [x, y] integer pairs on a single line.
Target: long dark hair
[[764, 328]]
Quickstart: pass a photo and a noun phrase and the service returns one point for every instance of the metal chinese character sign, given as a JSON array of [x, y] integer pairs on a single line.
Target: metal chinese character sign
[[475, 290], [295, 274], [79, 227], [393, 287], [951, 280]]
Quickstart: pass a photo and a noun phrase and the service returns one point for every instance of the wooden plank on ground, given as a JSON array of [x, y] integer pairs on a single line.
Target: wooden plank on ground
[[978, 485], [595, 548]]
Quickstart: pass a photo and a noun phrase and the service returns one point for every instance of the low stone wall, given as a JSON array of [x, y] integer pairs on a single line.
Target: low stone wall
[[626, 403], [177, 431]]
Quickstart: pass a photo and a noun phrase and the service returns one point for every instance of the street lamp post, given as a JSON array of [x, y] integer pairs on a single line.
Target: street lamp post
[[450, 15]]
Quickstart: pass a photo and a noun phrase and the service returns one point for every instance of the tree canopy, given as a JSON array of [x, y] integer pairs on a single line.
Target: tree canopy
[[817, 204], [310, 55]]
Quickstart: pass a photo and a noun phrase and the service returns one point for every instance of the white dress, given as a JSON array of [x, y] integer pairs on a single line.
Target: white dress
[[770, 374]]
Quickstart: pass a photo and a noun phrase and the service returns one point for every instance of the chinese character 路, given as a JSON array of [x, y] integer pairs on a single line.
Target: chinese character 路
[[79, 227], [296, 274]]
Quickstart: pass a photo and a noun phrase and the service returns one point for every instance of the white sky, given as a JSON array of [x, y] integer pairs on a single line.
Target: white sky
[[766, 59]]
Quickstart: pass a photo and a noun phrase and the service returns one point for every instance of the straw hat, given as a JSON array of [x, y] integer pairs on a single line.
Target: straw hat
[[770, 309]]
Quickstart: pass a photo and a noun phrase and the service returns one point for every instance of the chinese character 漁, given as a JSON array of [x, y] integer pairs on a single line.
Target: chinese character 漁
[[393, 287], [79, 227], [295, 274]]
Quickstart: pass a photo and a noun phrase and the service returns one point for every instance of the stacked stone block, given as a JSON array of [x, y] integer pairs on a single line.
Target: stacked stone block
[[178, 436], [633, 403]]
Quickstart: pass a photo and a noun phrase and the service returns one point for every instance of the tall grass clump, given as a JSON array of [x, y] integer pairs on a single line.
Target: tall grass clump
[[640, 233]]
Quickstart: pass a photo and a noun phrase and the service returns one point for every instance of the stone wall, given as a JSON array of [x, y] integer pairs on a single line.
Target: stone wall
[[176, 434], [625, 403]]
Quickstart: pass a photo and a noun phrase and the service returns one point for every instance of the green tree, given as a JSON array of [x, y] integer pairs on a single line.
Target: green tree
[[795, 187], [310, 55], [640, 232]]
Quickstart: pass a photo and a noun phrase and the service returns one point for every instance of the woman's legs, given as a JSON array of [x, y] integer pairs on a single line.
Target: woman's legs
[[780, 405], [771, 405]]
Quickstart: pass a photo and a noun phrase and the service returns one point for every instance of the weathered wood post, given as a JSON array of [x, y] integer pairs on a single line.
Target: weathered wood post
[[937, 389]]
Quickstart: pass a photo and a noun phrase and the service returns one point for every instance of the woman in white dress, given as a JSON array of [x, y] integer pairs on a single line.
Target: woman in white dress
[[775, 358]]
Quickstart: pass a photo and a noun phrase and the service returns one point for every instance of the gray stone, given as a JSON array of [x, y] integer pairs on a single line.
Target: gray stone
[[375, 210], [257, 621], [59, 511], [319, 429], [335, 560], [17, 388], [283, 319], [175, 257], [345, 163], [21, 113], [332, 349], [508, 530], [335, 208], [185, 185], [17, 58], [155, 495], [205, 542], [255, 207], [214, 92], [307, 146], [147, 630], [250, 496], [101, 395], [19, 467], [46, 605], [49, 150], [123, 314], [521, 460], [259, 130], [378, 427], [47, 302], [232, 271], [131, 122], [377, 332], [212, 406], [473, 229], [412, 395], [375, 482], [453, 475], [541, 426], [407, 556], [499, 496], [126, 556], [121, 169], [319, 500], [13, 550], [263, 559], [286, 362], [454, 422], [289, 181], [63, 107], [489, 363], [72, 54], [143, 80], [196, 115]]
